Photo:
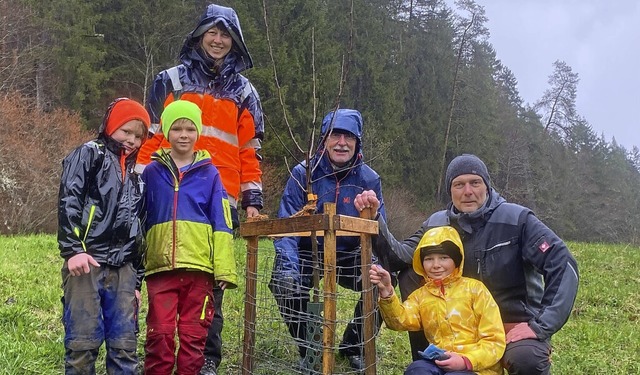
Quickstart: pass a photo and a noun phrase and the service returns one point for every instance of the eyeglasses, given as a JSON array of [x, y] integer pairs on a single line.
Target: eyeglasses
[[335, 136]]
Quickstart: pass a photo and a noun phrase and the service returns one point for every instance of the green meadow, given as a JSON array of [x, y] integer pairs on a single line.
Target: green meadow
[[601, 337]]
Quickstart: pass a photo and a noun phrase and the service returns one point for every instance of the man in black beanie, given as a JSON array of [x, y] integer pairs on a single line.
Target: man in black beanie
[[527, 268]]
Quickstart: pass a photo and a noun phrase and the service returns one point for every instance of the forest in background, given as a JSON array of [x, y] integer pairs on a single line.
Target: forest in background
[[422, 73]]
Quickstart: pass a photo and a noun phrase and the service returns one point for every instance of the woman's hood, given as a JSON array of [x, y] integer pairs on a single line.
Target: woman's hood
[[213, 15]]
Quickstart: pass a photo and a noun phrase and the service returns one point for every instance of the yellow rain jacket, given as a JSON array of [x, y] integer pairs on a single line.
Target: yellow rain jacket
[[456, 314]]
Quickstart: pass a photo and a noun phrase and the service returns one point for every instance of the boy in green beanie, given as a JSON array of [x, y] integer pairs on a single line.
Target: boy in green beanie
[[189, 244]]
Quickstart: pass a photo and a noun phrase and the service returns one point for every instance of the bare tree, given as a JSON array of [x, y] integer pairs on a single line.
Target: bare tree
[[558, 103], [18, 44], [452, 103]]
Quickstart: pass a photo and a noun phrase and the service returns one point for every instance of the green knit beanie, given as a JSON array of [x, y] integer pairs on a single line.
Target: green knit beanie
[[181, 109]]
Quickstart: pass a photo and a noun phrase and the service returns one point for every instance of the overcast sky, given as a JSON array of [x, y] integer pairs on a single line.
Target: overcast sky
[[598, 39]]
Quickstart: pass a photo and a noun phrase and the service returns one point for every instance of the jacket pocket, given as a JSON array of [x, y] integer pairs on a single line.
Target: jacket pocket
[[501, 265]]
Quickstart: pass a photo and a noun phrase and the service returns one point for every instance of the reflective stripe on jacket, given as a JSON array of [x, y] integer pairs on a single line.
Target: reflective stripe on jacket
[[229, 130]]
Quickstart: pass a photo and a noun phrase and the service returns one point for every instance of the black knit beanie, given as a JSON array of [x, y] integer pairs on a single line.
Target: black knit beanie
[[466, 164], [447, 247]]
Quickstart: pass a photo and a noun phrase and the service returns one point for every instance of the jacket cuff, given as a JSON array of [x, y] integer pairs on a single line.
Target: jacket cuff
[[535, 327], [252, 197], [467, 363], [68, 253]]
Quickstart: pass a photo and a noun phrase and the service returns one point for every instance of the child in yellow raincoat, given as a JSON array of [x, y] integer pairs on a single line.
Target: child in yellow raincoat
[[456, 314]]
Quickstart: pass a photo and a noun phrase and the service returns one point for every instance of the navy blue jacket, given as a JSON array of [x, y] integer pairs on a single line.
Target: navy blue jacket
[[339, 187]]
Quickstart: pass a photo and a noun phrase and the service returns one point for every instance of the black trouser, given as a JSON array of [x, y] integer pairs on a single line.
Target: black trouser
[[527, 357], [213, 345], [295, 314], [427, 367]]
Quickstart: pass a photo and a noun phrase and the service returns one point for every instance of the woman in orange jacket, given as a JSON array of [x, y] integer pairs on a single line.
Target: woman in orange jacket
[[212, 58]]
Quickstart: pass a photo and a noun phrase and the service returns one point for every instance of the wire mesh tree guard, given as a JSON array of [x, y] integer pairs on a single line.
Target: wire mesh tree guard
[[331, 226]]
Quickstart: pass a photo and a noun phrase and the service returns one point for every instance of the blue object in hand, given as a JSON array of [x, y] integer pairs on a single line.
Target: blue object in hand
[[433, 353]]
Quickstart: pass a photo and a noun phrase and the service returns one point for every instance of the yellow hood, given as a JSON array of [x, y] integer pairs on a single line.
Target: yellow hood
[[434, 237]]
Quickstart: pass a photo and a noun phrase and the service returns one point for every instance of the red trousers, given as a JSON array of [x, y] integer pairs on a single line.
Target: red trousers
[[181, 300]]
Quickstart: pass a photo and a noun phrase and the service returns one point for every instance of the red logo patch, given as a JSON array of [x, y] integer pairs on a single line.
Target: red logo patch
[[346, 200], [544, 246]]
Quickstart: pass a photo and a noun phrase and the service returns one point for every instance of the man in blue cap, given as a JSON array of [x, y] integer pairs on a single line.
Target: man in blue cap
[[338, 174]]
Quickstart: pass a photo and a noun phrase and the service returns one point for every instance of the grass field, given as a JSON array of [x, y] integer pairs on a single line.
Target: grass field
[[601, 337]]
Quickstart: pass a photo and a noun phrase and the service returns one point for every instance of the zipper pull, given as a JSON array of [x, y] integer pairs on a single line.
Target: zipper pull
[[176, 184]]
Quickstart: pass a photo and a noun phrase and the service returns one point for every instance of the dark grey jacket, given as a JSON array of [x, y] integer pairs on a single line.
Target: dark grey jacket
[[527, 268]]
